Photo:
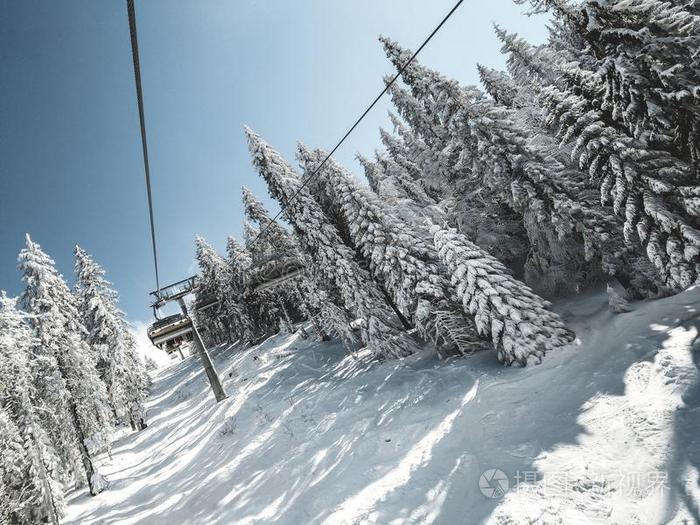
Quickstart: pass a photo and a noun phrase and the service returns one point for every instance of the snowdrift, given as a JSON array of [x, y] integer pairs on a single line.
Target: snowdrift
[[605, 431]]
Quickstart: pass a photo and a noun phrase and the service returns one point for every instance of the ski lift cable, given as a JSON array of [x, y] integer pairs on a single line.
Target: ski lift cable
[[142, 122], [304, 182], [315, 173]]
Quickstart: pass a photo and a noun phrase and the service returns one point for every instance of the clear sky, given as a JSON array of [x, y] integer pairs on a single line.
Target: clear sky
[[70, 157]]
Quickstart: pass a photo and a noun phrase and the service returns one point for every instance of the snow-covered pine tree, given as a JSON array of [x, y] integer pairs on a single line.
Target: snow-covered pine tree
[[464, 202], [428, 165], [527, 63], [27, 460], [394, 186], [401, 174], [572, 237], [276, 241], [646, 61], [273, 247], [264, 307], [602, 232], [109, 337], [400, 259], [515, 318], [491, 159], [213, 282], [83, 401], [239, 261], [300, 295], [50, 396], [331, 259], [624, 116], [5, 452], [238, 302], [14, 477], [499, 85]]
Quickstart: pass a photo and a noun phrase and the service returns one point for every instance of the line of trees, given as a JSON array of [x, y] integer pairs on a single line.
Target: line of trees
[[69, 373], [576, 167]]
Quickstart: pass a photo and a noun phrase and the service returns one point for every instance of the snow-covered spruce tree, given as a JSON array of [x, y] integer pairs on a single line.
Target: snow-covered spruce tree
[[276, 241], [308, 308], [470, 204], [400, 259], [407, 197], [499, 85], [645, 56], [401, 174], [464, 202], [264, 307], [602, 232], [109, 337], [83, 404], [428, 144], [51, 397], [296, 295], [493, 164], [331, 259], [213, 282], [5, 442], [624, 115], [515, 318], [267, 307], [424, 161], [273, 247], [239, 301], [27, 460], [527, 63], [239, 261], [572, 237]]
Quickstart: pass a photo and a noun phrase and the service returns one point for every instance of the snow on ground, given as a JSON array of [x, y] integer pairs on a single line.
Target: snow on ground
[[605, 431]]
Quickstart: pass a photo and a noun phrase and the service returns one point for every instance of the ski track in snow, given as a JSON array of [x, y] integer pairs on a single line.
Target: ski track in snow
[[604, 431]]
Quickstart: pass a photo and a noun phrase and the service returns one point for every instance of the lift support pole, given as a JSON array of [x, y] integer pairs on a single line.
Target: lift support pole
[[212, 375]]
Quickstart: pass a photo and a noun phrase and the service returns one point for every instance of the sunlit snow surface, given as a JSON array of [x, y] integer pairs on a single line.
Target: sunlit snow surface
[[605, 431]]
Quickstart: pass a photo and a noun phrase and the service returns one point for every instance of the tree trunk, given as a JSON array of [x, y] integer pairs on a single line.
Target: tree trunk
[[93, 477], [44, 477], [404, 321], [285, 314], [322, 335]]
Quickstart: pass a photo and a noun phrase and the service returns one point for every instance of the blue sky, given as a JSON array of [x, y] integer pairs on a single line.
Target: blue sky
[[70, 159]]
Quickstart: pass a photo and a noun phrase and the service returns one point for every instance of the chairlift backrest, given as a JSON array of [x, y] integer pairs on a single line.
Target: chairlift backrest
[[274, 271], [170, 332]]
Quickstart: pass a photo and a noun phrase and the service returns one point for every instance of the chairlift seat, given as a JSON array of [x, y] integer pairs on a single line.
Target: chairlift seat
[[274, 271], [171, 331]]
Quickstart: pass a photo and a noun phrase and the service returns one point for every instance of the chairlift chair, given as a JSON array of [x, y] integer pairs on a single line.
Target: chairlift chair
[[274, 271], [173, 331], [170, 332]]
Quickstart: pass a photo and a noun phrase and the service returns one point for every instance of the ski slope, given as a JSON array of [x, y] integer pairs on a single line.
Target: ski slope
[[604, 431]]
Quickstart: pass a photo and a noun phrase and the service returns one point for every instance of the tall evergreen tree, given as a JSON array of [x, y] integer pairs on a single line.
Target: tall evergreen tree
[[213, 282], [240, 301], [60, 335], [490, 153], [399, 258], [572, 238], [27, 461], [332, 260], [623, 110], [516, 319], [109, 337], [272, 247], [499, 85]]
